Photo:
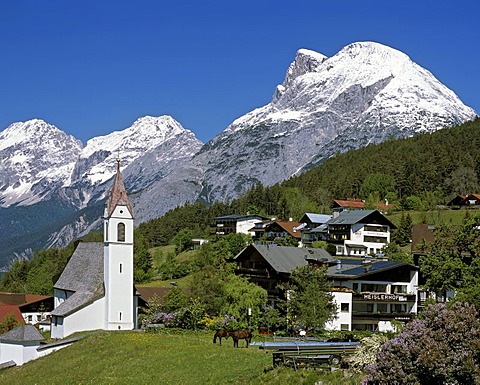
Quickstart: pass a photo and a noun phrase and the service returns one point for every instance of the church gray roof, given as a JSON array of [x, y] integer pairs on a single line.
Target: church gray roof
[[82, 275], [22, 333]]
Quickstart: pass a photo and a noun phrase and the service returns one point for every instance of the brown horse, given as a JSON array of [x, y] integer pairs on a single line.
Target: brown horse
[[220, 333], [240, 335]]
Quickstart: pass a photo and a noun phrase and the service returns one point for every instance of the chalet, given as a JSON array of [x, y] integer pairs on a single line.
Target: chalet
[[95, 290], [268, 266], [229, 224], [28, 308], [473, 200], [310, 221], [458, 201], [340, 205], [369, 293], [358, 232], [274, 230]]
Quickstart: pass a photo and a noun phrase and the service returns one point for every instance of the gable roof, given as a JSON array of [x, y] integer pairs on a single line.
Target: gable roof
[[349, 203], [315, 218], [22, 333], [284, 259], [82, 275], [351, 217], [20, 298], [288, 226], [5, 310]]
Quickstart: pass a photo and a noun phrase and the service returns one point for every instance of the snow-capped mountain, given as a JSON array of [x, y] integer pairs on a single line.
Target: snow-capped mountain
[[364, 94], [49, 174], [36, 159]]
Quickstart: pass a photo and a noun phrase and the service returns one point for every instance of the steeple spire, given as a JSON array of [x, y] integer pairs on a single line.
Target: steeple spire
[[118, 194]]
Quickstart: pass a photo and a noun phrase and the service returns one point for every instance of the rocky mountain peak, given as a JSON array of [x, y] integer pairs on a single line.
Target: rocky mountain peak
[[305, 61]]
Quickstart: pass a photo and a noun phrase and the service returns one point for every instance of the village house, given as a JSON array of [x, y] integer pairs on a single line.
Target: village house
[[274, 230], [229, 224], [369, 293], [95, 290], [26, 308], [354, 233], [308, 222]]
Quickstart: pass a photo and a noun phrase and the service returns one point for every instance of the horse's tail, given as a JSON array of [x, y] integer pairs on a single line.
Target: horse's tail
[[215, 338]]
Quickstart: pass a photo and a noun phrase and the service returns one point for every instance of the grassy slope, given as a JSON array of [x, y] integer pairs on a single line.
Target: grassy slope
[[147, 358]]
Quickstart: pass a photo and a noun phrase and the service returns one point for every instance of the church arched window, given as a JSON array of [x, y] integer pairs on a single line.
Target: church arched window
[[121, 232]]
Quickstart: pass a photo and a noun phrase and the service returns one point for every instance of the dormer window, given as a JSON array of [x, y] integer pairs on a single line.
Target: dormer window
[[121, 232]]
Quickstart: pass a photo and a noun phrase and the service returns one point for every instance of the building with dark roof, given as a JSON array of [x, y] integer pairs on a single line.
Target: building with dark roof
[[357, 233], [95, 290], [369, 293], [232, 224], [20, 344]]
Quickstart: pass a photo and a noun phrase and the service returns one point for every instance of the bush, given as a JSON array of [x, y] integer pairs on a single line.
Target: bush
[[442, 346]]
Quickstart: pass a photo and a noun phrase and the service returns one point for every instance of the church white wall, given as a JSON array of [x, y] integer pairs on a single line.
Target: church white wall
[[18, 352], [119, 287], [89, 318]]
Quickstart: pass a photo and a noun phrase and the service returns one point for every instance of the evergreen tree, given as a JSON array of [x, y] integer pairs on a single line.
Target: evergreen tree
[[310, 304]]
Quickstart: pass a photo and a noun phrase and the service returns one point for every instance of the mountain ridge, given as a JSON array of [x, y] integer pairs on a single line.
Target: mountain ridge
[[364, 94]]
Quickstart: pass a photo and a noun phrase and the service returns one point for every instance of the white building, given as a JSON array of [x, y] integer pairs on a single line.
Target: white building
[[95, 290], [369, 293], [357, 233], [229, 224]]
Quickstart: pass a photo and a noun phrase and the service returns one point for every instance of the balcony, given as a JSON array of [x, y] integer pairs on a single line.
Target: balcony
[[252, 272], [400, 316]]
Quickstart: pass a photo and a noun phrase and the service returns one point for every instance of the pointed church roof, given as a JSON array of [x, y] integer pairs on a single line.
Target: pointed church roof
[[118, 194]]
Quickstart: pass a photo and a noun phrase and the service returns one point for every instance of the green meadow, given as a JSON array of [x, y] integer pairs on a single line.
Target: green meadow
[[170, 357]]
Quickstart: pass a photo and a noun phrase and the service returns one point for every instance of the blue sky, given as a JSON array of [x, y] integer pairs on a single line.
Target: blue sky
[[93, 67]]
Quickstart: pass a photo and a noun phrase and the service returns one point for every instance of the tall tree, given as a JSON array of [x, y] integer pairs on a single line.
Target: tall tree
[[453, 260], [310, 303]]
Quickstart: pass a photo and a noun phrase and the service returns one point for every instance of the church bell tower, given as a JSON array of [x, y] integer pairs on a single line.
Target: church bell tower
[[118, 258]]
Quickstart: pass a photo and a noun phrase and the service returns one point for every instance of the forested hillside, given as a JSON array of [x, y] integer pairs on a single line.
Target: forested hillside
[[417, 173]]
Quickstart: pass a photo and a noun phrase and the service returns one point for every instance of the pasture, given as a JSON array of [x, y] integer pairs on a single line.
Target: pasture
[[170, 357]]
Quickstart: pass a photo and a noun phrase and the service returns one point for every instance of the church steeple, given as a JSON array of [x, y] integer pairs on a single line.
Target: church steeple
[[118, 194]]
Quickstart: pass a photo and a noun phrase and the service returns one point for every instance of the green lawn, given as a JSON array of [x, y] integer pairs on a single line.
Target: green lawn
[[163, 358], [434, 217]]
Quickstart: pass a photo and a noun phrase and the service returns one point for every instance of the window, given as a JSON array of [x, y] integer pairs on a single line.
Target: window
[[344, 327], [399, 289], [120, 316], [381, 307], [121, 268], [374, 288], [344, 307], [121, 232]]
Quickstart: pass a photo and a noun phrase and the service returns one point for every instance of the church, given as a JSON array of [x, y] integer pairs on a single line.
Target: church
[[95, 290]]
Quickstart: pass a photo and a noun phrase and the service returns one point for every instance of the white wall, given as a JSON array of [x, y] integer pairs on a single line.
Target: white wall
[[244, 226], [344, 318], [18, 352]]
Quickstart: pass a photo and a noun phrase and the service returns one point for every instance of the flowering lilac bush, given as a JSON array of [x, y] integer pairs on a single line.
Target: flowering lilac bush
[[442, 346]]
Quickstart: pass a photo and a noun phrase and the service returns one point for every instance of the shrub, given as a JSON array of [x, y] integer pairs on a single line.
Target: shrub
[[442, 346]]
